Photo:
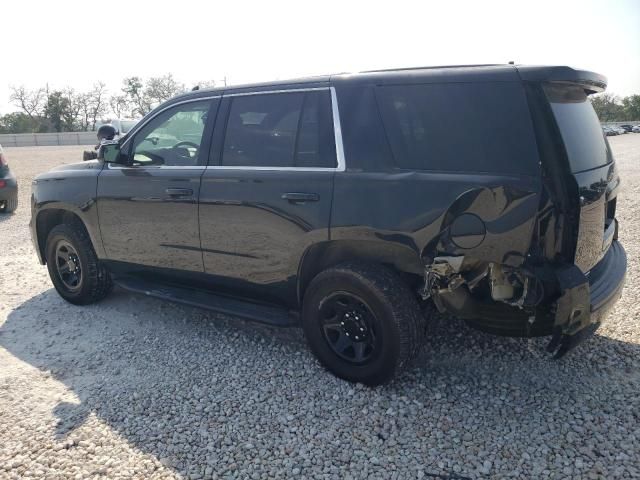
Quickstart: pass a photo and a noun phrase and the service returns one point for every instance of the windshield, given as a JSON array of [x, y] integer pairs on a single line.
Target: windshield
[[579, 125]]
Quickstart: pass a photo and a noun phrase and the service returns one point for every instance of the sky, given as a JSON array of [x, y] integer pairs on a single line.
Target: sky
[[79, 42]]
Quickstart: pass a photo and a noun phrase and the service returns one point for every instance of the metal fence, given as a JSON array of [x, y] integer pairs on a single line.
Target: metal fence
[[47, 139], [617, 124]]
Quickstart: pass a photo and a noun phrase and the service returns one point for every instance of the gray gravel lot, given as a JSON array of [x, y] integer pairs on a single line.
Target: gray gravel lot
[[134, 387]]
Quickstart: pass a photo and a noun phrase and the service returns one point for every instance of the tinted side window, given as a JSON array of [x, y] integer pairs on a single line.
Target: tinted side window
[[316, 145], [459, 127], [173, 137], [280, 130]]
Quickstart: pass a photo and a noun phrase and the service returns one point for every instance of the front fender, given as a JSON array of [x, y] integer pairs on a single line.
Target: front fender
[[70, 191]]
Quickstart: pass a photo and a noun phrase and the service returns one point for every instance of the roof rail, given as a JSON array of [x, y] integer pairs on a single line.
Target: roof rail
[[435, 67]]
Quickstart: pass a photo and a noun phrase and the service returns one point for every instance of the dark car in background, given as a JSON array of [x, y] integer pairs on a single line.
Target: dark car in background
[[348, 203], [8, 186]]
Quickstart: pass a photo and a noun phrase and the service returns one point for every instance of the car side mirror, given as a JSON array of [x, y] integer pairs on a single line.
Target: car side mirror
[[110, 153]]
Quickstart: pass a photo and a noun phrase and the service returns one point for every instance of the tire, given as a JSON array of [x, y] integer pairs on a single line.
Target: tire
[[93, 280], [396, 326], [11, 204]]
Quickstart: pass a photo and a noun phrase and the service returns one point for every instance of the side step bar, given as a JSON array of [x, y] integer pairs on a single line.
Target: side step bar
[[267, 314]]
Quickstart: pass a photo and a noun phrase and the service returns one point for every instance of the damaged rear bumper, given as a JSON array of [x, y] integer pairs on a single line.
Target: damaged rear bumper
[[572, 308], [586, 299]]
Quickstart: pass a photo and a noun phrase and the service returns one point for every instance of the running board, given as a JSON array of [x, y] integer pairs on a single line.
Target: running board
[[267, 314]]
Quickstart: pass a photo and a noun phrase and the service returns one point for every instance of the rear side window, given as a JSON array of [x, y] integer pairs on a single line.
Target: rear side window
[[579, 126], [459, 127], [280, 130]]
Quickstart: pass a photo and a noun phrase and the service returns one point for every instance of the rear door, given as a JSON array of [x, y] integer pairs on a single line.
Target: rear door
[[148, 209], [266, 194], [592, 168]]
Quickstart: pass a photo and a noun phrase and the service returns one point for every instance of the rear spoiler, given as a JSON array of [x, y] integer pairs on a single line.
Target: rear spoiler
[[591, 81]]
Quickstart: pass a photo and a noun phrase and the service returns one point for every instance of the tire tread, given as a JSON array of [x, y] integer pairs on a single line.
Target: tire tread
[[405, 311], [96, 274]]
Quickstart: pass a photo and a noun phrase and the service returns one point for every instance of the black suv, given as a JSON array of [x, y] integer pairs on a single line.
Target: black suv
[[348, 203]]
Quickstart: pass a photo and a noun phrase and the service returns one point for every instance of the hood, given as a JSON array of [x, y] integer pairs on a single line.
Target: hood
[[88, 165], [88, 168]]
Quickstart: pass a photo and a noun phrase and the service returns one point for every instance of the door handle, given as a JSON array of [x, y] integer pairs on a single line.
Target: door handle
[[298, 197], [179, 192]]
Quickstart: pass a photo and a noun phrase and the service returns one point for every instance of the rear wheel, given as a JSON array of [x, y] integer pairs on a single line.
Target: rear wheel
[[362, 322], [74, 268]]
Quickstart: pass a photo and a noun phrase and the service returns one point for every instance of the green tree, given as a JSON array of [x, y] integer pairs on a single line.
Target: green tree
[[58, 112], [607, 107], [18, 122], [631, 107]]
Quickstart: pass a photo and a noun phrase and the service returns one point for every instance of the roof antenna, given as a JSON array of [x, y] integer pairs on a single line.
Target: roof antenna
[[197, 87], [511, 62]]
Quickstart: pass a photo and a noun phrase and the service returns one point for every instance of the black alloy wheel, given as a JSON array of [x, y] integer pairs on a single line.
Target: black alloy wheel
[[349, 327], [68, 265]]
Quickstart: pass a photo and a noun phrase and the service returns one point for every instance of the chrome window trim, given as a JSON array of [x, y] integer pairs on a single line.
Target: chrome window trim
[[337, 132], [267, 92], [115, 166]]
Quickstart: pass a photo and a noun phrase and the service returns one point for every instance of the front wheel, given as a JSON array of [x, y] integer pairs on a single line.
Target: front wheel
[[73, 266], [362, 322]]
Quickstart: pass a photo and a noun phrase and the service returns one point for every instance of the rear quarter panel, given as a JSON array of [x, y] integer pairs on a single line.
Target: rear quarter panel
[[375, 201], [416, 209]]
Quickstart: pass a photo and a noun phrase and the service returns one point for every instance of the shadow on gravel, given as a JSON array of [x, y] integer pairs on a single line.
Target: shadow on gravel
[[188, 386], [5, 216]]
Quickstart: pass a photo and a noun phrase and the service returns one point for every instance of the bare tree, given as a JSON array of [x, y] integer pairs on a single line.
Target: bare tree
[[31, 102], [85, 111], [119, 105], [160, 89], [97, 99], [133, 89], [205, 84], [73, 113]]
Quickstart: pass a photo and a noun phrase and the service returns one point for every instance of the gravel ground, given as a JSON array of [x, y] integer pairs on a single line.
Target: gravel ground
[[137, 388]]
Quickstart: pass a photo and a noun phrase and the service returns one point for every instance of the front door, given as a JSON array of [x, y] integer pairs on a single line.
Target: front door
[[266, 195], [148, 209]]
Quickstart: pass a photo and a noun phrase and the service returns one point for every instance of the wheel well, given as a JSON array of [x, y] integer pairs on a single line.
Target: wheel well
[[319, 257], [47, 219]]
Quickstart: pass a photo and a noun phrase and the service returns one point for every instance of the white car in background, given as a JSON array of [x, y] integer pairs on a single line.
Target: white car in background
[[636, 129], [122, 125]]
